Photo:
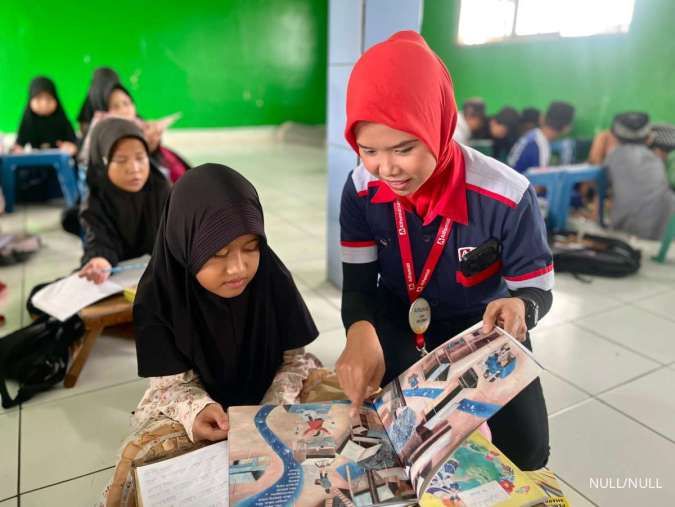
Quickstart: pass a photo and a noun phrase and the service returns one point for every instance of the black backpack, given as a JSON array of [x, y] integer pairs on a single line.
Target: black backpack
[[591, 254], [36, 356]]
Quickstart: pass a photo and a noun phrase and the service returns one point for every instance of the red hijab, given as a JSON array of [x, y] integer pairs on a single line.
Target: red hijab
[[403, 84]]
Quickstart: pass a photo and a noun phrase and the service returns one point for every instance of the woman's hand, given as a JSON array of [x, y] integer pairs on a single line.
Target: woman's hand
[[68, 147], [211, 424], [360, 367], [16, 149], [97, 270], [507, 313]]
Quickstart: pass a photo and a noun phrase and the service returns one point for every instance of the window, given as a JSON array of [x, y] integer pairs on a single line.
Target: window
[[486, 21]]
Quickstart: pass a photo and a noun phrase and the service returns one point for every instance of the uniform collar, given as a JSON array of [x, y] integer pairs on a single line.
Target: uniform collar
[[449, 199]]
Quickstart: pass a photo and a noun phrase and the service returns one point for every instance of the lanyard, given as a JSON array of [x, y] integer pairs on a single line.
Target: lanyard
[[415, 288]]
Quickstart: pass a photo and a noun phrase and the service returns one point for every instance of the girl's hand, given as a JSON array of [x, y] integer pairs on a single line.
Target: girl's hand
[[16, 149], [97, 270], [507, 313], [68, 147], [360, 367], [211, 424]]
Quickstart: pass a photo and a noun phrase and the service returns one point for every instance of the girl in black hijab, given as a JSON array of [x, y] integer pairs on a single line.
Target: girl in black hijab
[[121, 215], [112, 98], [103, 76], [44, 123], [217, 313]]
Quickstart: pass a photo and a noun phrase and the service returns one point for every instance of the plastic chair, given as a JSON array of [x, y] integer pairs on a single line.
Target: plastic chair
[[668, 237], [551, 180], [571, 175], [60, 161]]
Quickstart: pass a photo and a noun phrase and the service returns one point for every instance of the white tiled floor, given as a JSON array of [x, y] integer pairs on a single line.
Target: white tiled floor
[[609, 347]]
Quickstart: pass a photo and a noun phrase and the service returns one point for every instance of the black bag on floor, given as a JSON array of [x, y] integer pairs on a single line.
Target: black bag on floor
[[36, 356], [590, 254]]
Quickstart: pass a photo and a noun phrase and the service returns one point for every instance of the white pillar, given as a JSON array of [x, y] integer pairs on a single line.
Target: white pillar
[[353, 27]]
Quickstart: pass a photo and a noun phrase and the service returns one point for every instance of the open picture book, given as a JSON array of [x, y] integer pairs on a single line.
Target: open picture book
[[410, 444]]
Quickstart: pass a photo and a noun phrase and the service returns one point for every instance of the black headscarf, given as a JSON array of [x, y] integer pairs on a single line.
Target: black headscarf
[[129, 220], [44, 130], [509, 118], [100, 94], [102, 77], [235, 345]]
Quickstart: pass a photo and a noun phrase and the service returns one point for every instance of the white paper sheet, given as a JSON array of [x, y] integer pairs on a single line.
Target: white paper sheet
[[195, 479], [66, 297]]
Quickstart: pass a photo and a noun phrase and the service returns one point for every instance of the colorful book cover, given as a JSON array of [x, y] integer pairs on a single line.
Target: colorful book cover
[[548, 482], [477, 474]]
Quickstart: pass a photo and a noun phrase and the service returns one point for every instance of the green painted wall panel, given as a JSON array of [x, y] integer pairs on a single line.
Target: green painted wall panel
[[221, 63], [600, 75]]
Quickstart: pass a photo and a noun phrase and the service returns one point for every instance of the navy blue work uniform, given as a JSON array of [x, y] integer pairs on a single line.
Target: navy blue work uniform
[[489, 201]]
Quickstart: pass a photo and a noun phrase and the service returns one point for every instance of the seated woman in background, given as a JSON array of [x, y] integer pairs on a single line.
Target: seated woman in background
[[121, 214], [642, 201], [44, 123], [218, 319], [103, 76], [115, 100]]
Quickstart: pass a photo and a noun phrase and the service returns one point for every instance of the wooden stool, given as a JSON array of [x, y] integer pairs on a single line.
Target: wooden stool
[[109, 312]]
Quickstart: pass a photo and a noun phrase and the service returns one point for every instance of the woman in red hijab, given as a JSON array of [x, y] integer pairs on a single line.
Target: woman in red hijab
[[411, 212]]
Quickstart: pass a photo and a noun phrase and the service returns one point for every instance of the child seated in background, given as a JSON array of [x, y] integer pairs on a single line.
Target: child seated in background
[[44, 123], [103, 76], [471, 122], [113, 99], [504, 132], [127, 192], [603, 144], [530, 118], [642, 201], [534, 148]]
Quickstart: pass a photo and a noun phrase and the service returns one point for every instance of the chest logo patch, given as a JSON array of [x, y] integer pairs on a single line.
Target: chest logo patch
[[461, 252]]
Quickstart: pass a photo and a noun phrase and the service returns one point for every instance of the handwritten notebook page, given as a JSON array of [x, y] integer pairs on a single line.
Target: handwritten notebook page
[[194, 479]]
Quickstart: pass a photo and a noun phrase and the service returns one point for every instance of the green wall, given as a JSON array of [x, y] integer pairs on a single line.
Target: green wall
[[219, 62], [600, 75]]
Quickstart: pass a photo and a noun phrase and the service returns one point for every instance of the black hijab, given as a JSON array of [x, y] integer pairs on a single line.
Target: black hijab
[[235, 345], [509, 118], [100, 94], [44, 130], [131, 217], [102, 77]]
